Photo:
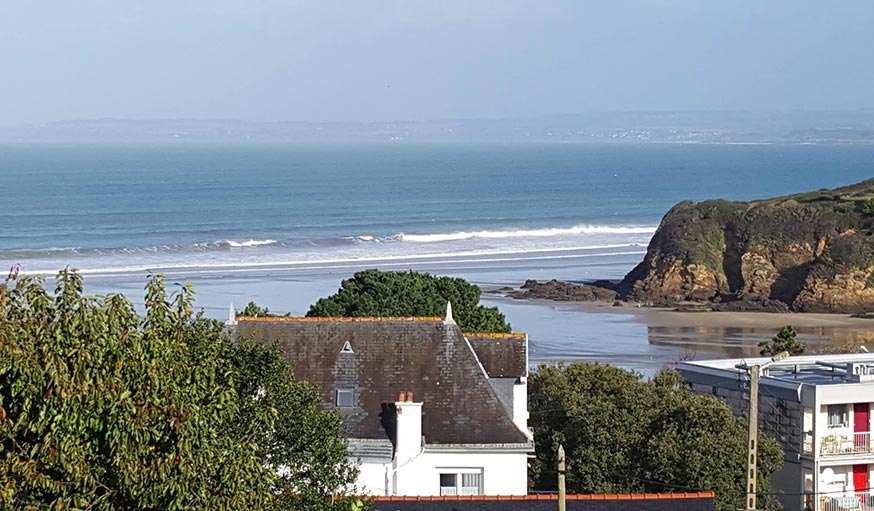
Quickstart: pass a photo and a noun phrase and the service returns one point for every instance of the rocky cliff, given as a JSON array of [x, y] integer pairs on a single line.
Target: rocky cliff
[[810, 252]]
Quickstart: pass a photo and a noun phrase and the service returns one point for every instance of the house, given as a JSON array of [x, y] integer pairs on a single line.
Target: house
[[426, 409], [820, 410], [640, 502]]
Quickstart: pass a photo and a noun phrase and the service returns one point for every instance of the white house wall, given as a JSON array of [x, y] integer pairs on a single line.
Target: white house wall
[[502, 473], [520, 404], [372, 479]]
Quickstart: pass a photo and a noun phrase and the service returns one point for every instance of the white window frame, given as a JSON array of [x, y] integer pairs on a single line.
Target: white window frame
[[844, 416], [345, 392], [459, 474]]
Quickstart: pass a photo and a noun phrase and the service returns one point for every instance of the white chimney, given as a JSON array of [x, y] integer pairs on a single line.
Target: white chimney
[[409, 432]]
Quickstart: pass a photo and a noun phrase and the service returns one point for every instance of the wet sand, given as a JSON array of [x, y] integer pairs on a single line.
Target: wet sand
[[737, 334]]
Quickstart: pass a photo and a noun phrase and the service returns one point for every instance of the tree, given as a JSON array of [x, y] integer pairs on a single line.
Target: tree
[[624, 435], [785, 340], [302, 444], [252, 309], [390, 293], [103, 409]]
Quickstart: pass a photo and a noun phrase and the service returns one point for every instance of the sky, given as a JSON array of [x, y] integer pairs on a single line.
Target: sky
[[323, 60]]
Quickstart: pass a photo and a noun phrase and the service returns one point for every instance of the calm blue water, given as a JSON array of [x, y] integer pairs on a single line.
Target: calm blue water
[[124, 209], [283, 225]]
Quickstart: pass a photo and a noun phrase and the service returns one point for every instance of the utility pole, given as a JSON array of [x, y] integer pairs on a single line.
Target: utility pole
[[753, 438], [561, 470]]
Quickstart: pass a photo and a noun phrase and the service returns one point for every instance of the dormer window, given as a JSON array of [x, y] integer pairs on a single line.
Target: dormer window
[[345, 398], [347, 348]]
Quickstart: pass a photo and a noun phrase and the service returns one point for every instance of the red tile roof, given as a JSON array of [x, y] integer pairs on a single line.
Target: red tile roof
[[602, 496]]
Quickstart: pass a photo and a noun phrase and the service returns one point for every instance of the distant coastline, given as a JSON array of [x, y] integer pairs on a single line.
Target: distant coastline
[[683, 127]]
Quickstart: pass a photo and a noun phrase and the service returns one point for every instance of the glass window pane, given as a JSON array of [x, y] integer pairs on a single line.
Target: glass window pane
[[345, 397], [837, 415], [448, 484]]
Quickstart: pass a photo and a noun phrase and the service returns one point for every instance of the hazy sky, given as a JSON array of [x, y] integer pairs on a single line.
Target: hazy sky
[[407, 59]]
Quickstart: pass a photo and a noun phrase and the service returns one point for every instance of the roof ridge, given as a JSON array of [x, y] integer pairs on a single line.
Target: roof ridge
[[338, 319], [496, 335], [596, 496]]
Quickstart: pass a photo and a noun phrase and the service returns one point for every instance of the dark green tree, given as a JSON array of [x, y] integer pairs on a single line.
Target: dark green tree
[[625, 435], [785, 340], [252, 309], [391, 293], [103, 409]]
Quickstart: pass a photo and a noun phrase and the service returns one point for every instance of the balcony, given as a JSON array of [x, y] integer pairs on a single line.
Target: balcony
[[847, 503], [854, 443]]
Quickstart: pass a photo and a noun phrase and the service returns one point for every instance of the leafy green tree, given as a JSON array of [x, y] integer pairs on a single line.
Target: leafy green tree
[[391, 293], [625, 435], [252, 309], [103, 409], [302, 444], [785, 340]]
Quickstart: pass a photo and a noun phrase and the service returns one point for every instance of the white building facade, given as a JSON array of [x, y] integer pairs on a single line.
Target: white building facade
[[821, 410], [419, 469]]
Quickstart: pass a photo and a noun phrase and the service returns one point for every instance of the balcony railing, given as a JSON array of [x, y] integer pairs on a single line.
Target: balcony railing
[[857, 443], [848, 503]]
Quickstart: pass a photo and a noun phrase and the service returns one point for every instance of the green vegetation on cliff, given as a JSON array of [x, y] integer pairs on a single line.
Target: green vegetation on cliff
[[811, 252]]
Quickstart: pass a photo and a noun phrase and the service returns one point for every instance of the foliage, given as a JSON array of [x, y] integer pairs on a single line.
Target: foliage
[[381, 293], [624, 435], [785, 340], [868, 208], [252, 309], [103, 409], [302, 444]]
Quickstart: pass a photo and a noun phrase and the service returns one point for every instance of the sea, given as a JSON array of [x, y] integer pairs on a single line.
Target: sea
[[282, 225]]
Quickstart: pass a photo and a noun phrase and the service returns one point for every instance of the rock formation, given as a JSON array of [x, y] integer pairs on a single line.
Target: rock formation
[[810, 252], [564, 291]]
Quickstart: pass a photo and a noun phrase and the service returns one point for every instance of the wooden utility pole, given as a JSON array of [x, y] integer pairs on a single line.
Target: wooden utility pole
[[753, 454], [561, 470]]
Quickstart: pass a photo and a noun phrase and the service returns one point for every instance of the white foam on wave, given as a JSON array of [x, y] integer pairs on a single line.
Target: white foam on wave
[[459, 256], [525, 233], [245, 244]]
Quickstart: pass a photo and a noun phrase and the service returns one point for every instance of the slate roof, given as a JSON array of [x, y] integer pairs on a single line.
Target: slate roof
[[374, 451], [646, 502], [502, 355], [427, 356]]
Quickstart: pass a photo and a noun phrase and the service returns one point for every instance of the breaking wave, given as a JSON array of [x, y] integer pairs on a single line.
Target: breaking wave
[[526, 233]]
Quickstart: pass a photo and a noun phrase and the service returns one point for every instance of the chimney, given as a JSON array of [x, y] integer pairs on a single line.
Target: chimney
[[409, 428]]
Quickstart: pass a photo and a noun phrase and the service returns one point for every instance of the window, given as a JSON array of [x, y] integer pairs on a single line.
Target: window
[[837, 416], [462, 481], [448, 484], [345, 398], [470, 484]]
